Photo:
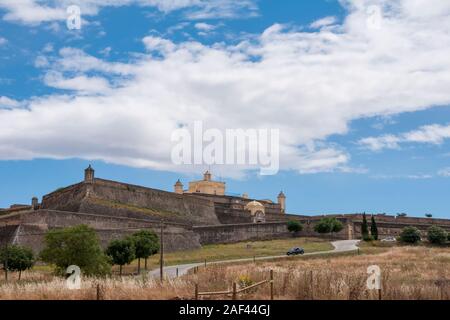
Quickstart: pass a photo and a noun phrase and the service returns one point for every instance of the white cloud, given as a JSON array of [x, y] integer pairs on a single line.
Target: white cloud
[[41, 61], [202, 26], [82, 84], [405, 176], [3, 41], [433, 134], [37, 11], [323, 22], [6, 102], [445, 172], [310, 85]]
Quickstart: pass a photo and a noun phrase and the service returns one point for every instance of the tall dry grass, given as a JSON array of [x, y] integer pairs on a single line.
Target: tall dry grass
[[407, 273]]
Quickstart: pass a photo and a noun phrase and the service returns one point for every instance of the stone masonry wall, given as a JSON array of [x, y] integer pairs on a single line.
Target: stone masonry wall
[[104, 197], [241, 232], [35, 224]]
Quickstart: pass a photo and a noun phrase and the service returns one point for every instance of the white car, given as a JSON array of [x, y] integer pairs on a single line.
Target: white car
[[389, 239]]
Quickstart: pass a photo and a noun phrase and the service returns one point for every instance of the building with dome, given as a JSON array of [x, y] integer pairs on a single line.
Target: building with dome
[[204, 213]]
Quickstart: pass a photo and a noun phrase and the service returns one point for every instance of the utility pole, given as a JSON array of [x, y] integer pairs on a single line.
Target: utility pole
[[161, 252]]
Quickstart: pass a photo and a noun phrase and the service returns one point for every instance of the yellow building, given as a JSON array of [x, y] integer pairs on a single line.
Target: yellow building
[[207, 186]]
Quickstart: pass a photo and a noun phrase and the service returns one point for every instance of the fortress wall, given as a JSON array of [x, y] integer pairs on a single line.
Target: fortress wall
[[35, 224], [196, 211], [386, 229], [67, 199], [241, 232]]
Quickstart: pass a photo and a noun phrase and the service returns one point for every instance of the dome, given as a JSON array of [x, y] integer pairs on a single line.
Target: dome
[[253, 205]]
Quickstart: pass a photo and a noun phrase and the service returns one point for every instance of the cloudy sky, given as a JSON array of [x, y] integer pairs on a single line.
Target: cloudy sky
[[359, 89]]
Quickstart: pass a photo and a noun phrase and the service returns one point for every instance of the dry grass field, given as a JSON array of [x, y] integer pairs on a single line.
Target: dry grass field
[[407, 273], [248, 249]]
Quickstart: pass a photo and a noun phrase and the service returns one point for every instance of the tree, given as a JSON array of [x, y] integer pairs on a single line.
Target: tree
[[428, 215], [16, 258], [437, 235], [410, 235], [294, 226], [121, 252], [146, 243], [365, 229], [373, 228], [78, 246], [328, 225], [401, 214]]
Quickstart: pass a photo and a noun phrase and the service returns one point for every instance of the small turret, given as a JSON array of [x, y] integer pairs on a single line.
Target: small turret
[[178, 187], [34, 203], [89, 174], [207, 176], [282, 201]]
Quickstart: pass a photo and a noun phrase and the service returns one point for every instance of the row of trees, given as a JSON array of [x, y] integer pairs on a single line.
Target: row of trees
[[140, 245], [373, 235], [80, 246], [435, 235], [325, 225]]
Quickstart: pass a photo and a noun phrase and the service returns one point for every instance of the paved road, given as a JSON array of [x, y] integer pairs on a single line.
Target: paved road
[[171, 271]]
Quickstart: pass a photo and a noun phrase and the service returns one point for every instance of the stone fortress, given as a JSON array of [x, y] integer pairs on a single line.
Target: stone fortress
[[202, 214]]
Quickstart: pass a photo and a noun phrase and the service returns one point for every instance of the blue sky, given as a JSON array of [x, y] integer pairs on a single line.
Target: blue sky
[[358, 90]]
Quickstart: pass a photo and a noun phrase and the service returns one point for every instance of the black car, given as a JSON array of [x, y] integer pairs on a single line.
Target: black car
[[295, 251]]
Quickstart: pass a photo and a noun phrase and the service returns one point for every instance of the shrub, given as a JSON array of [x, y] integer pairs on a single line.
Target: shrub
[[328, 225], [437, 235], [78, 246], [410, 235], [294, 226]]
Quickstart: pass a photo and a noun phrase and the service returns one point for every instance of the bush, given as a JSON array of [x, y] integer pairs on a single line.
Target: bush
[[367, 237], [328, 225], [294, 226], [437, 235], [410, 235], [78, 246]]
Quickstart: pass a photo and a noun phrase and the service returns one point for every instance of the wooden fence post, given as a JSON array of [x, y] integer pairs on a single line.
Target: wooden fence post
[[177, 272], [379, 294], [99, 295], [205, 263], [196, 291], [234, 291], [312, 284], [271, 284]]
